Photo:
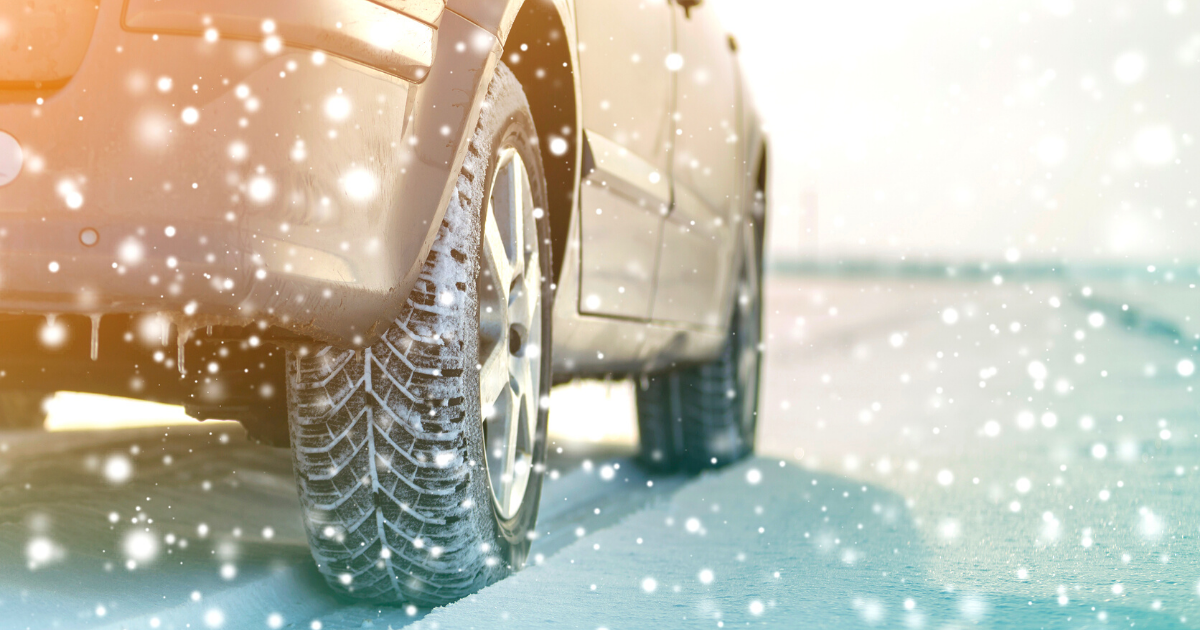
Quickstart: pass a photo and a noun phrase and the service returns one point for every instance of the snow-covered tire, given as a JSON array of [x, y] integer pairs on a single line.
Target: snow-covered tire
[[705, 416], [22, 410], [388, 441]]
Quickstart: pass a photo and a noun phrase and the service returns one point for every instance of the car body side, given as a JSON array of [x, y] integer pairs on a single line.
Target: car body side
[[589, 343], [314, 220], [309, 223]]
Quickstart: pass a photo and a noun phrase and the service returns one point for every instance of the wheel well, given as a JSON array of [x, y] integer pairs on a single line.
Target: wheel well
[[546, 72], [760, 208], [760, 178]]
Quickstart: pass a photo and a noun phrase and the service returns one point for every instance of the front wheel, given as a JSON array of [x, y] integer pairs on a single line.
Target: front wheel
[[419, 459]]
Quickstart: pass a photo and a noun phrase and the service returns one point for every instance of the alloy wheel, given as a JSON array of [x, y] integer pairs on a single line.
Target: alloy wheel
[[510, 332]]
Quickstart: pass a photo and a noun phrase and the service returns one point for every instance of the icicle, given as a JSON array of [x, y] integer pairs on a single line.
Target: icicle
[[208, 330], [181, 339], [95, 336], [164, 324]]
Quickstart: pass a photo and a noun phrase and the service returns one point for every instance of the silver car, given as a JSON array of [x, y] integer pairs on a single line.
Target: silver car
[[379, 231]]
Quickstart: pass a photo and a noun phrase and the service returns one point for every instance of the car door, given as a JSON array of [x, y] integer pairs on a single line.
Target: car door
[[625, 191], [699, 236]]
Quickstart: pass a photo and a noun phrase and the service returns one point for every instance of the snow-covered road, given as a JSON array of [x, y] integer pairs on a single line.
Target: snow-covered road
[[931, 455], [203, 528]]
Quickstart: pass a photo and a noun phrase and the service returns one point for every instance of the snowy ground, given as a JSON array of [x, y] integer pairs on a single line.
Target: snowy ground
[[931, 455]]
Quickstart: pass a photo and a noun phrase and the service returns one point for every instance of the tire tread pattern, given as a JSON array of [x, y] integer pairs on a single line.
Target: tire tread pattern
[[380, 444], [691, 418]]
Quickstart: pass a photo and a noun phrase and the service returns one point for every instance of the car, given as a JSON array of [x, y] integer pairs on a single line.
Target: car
[[379, 232]]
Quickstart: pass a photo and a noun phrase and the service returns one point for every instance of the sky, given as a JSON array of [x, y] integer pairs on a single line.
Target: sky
[[969, 130]]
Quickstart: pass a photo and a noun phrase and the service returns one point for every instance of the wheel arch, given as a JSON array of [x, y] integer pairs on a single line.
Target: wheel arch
[[761, 210], [547, 70]]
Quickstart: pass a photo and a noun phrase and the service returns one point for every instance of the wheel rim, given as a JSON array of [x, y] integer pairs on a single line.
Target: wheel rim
[[510, 333]]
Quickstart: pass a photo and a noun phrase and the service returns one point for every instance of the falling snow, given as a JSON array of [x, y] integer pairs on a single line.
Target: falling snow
[[979, 403]]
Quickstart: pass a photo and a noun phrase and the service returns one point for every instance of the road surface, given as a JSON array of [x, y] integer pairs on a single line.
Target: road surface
[[932, 454]]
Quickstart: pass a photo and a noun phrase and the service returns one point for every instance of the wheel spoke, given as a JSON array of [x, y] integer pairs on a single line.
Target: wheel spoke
[[530, 288], [508, 477], [494, 254], [530, 377], [520, 480], [493, 377], [521, 379], [519, 186]]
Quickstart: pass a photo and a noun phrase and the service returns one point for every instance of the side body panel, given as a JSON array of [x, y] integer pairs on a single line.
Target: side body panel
[[625, 190], [700, 240], [283, 209], [691, 325]]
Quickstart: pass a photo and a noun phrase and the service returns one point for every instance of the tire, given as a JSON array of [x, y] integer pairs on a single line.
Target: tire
[[705, 416], [22, 410], [389, 441]]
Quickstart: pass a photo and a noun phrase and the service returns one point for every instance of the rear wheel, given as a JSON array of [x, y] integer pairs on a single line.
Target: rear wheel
[[22, 410], [420, 458], [705, 416]]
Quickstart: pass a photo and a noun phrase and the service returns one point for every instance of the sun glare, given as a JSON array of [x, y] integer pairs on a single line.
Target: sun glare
[[72, 411], [593, 412], [600, 413]]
